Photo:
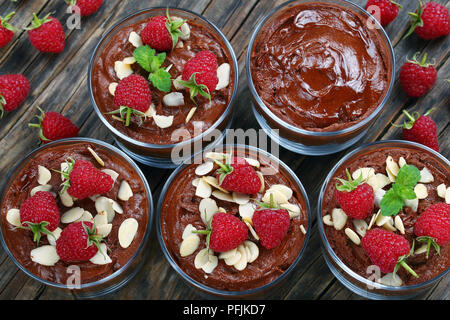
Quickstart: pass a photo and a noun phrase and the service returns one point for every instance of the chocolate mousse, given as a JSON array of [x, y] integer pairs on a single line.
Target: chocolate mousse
[[318, 67], [126, 203], [195, 197], [193, 116], [379, 169]]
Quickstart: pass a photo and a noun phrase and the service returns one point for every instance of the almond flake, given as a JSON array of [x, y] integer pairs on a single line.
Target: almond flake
[[232, 260], [250, 227], [253, 249], [327, 220], [129, 60], [189, 245], [191, 114], [278, 197], [223, 196], [389, 225], [101, 257], [204, 168], [365, 172], [188, 231], [96, 157], [203, 190], [212, 263], [127, 232], [352, 236], [66, 199], [398, 223], [413, 204], [401, 162], [215, 156], [261, 178], [421, 191], [390, 279], [177, 85], [247, 210], [228, 254], [112, 88], [392, 168], [104, 230], [207, 209], [373, 219], [174, 99], [72, 215], [241, 198], [378, 181], [201, 258], [426, 176], [242, 263], [101, 218], [421, 249], [283, 189], [122, 69], [104, 204], [45, 188], [44, 175], [195, 182], [135, 39], [223, 74], [163, 121], [447, 195], [13, 217], [302, 229], [56, 234], [339, 218], [113, 174], [360, 227], [441, 190], [294, 210], [379, 194], [45, 255], [253, 162], [125, 192], [213, 182], [151, 111]]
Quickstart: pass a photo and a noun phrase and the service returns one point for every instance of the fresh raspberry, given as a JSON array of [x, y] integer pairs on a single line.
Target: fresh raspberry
[[238, 176], [433, 226], [40, 214], [14, 89], [47, 34], [388, 10], [271, 225], [204, 66], [387, 250], [78, 242], [162, 33], [86, 180], [6, 30], [87, 7], [430, 21], [54, 126], [416, 77], [354, 197], [227, 232], [421, 129]]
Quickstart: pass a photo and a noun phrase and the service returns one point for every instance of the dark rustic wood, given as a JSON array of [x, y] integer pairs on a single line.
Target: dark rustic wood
[[59, 83]]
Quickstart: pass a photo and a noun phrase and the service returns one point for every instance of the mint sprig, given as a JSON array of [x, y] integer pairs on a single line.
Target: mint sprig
[[151, 62], [403, 189]]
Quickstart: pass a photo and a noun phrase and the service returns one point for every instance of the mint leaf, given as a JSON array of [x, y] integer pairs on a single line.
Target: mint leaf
[[391, 203], [404, 192], [408, 176], [161, 80], [144, 56]]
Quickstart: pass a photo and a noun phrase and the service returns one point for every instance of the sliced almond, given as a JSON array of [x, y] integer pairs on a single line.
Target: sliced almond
[[129, 60], [174, 99], [64, 168], [352, 236], [240, 198], [223, 74], [441, 190], [398, 223], [189, 245], [366, 173], [86, 216], [378, 196], [222, 210], [247, 210], [45, 255], [177, 85], [360, 227], [125, 192], [204, 168], [254, 250], [135, 39], [277, 196], [212, 263], [228, 254], [207, 207], [190, 114], [215, 156], [13, 217], [242, 263], [373, 219], [151, 111], [413, 204], [392, 168], [185, 31], [163, 121], [122, 69], [112, 88], [45, 188], [116, 206], [294, 210], [391, 279], [201, 258], [447, 195], [421, 191], [101, 218], [104, 230], [44, 175], [339, 218], [195, 182], [104, 204], [283, 189], [302, 229], [72, 215], [247, 222], [421, 249], [127, 232], [213, 182], [66, 199], [327, 220], [382, 220], [253, 162], [56, 234], [223, 196], [233, 259], [203, 190], [389, 225], [426, 176], [261, 178], [96, 157], [378, 181], [401, 162], [101, 257], [188, 231]]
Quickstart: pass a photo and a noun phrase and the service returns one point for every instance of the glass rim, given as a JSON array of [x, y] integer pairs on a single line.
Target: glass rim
[[293, 128], [144, 239], [326, 244], [202, 286], [173, 145]]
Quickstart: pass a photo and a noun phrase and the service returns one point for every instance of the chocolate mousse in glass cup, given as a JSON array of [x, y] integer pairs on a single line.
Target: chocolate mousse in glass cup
[[343, 238], [174, 122], [319, 72], [191, 201], [122, 216]]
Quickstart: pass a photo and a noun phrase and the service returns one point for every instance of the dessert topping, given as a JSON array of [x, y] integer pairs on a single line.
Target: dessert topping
[[125, 192], [112, 88], [204, 189], [213, 182], [390, 279], [207, 207], [392, 168], [204, 168], [163, 121], [339, 218], [441, 190], [101, 257], [238, 176], [135, 39], [127, 232], [44, 175], [360, 227], [189, 245], [96, 157], [398, 223], [378, 181], [45, 255], [253, 162], [421, 191], [13, 217], [190, 114], [151, 62], [240, 198], [72, 215], [327, 220], [352, 236], [54, 236], [162, 32], [104, 204], [426, 176], [174, 99], [365, 172], [184, 28], [113, 174], [222, 196], [66, 199], [44, 188], [122, 69], [223, 75]]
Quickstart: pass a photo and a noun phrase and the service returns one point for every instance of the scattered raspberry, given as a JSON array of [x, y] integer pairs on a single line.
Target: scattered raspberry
[[238, 176], [421, 129], [40, 214], [271, 225], [86, 180], [227, 232], [416, 77], [78, 242], [162, 33], [54, 126], [6, 30], [387, 250], [47, 34], [354, 197], [430, 21], [388, 10], [87, 7], [14, 89]]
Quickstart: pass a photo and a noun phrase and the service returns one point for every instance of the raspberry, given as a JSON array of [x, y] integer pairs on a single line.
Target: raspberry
[[47, 34], [6, 30], [227, 232], [87, 7], [430, 21], [433, 226], [14, 89], [238, 176], [271, 226], [40, 214], [78, 242], [356, 199], [54, 126], [156, 34], [387, 250], [388, 10], [421, 129], [416, 77]]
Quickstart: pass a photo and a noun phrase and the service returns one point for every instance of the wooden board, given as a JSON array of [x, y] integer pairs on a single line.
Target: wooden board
[[59, 83]]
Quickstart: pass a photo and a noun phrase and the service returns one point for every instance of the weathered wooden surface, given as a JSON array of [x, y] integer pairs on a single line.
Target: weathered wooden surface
[[58, 83]]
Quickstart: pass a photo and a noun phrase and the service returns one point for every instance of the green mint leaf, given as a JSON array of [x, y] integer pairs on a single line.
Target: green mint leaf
[[161, 80], [146, 57], [404, 192], [391, 203], [408, 176]]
